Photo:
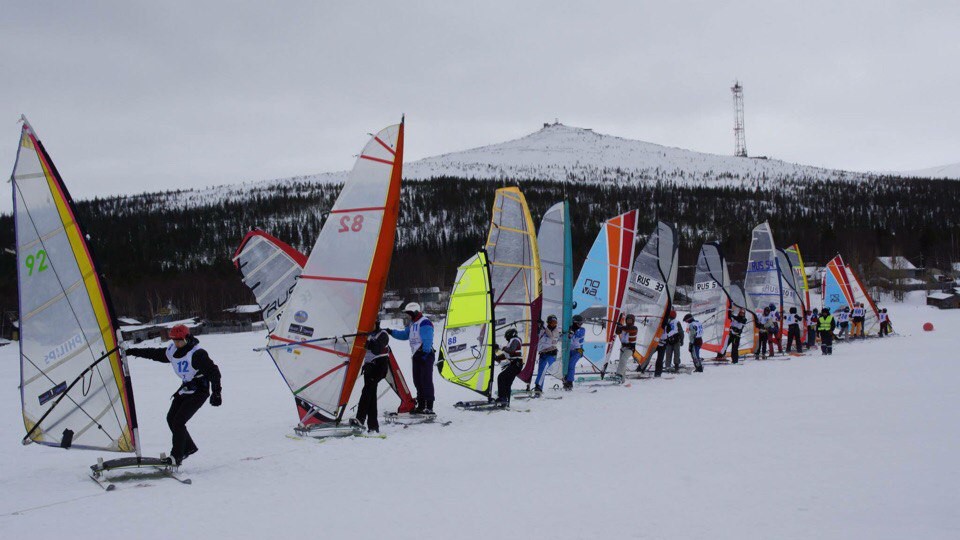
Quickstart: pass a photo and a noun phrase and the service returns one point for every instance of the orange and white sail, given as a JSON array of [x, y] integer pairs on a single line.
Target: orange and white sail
[[318, 344]]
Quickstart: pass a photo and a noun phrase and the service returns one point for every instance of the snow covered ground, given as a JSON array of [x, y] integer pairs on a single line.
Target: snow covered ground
[[862, 444]]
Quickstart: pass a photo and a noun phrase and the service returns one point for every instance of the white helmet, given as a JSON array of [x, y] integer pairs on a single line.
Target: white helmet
[[412, 307]]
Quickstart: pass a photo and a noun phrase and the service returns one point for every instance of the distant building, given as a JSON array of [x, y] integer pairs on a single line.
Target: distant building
[[944, 300], [897, 267]]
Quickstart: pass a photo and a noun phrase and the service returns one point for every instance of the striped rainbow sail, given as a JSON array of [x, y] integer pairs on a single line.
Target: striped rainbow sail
[[515, 272], [74, 384], [318, 344], [600, 288], [836, 290]]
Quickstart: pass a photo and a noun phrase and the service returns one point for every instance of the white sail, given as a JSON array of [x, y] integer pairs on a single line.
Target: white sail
[[74, 385], [319, 342], [270, 269], [653, 280]]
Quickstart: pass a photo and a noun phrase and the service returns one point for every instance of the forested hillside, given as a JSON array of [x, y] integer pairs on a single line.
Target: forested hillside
[[152, 252]]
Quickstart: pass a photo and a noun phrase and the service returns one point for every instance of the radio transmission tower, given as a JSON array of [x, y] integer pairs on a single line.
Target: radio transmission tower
[[737, 90]]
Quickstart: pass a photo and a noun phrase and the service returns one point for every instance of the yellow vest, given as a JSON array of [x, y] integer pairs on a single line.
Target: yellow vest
[[825, 323]]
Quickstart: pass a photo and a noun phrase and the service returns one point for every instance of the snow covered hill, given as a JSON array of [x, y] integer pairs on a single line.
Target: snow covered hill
[[861, 444], [951, 172], [563, 154]]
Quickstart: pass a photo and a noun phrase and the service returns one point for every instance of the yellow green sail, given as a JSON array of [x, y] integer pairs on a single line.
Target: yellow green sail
[[467, 345]]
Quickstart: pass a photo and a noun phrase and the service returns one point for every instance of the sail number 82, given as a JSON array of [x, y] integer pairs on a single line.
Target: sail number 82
[[351, 224]]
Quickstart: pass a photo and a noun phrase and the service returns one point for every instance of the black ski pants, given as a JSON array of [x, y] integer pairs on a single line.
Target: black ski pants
[[735, 347], [182, 409], [374, 371], [793, 335], [762, 346], [423, 377], [505, 379], [826, 341]]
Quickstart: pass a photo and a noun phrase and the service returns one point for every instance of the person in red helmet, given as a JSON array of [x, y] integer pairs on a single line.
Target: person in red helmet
[[198, 373]]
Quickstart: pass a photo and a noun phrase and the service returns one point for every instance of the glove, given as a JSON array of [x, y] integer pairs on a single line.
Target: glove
[[580, 351], [215, 399]]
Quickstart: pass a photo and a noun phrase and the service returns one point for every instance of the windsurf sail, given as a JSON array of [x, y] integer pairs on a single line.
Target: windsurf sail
[[515, 273], [74, 384], [792, 292], [270, 268], [650, 289], [748, 338], [763, 281], [871, 315], [556, 262], [836, 290], [318, 345], [796, 262], [601, 285], [842, 288], [710, 301], [466, 347]]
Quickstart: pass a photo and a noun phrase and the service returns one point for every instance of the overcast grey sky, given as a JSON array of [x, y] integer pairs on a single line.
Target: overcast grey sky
[[132, 96]]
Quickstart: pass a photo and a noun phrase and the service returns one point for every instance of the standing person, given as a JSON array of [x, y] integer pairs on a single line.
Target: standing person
[[858, 316], [661, 348], [512, 354], [420, 334], [673, 340], [737, 324], [375, 367], [763, 329], [577, 335], [812, 317], [793, 322], [547, 349], [843, 321], [627, 332], [884, 323], [773, 330], [695, 332], [198, 374], [825, 325]]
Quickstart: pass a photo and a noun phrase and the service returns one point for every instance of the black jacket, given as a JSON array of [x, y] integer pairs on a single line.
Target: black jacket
[[208, 374]]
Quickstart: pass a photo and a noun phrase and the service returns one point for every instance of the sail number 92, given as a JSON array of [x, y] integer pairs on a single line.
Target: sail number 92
[[36, 262], [351, 224]]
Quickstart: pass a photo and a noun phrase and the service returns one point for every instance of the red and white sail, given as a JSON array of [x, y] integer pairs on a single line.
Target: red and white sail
[[318, 344]]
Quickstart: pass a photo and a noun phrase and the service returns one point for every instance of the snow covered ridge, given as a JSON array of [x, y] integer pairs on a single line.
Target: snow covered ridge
[[950, 172], [563, 153], [556, 153]]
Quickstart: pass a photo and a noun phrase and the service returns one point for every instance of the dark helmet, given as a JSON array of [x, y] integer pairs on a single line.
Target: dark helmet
[[510, 333], [578, 319], [766, 310], [551, 318], [688, 317], [630, 317], [773, 307], [825, 310], [793, 310]]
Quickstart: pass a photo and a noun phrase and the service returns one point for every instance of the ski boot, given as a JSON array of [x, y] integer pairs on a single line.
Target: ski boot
[[568, 385], [537, 391]]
